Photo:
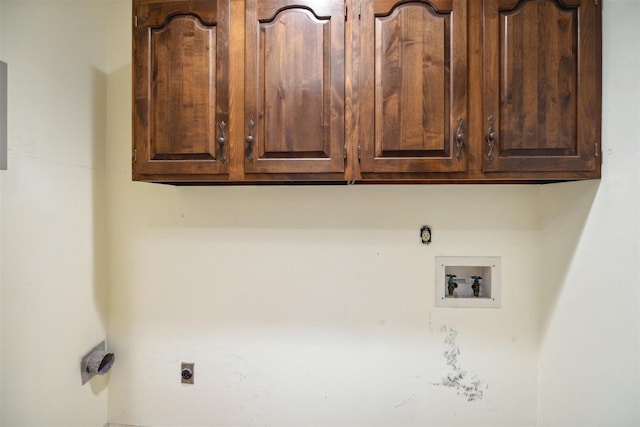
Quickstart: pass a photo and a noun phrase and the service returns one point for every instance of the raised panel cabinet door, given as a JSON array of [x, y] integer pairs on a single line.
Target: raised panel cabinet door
[[541, 85], [414, 86], [294, 86], [181, 88]]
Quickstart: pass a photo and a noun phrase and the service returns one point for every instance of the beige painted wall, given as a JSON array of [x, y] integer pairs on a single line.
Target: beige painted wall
[[589, 354], [309, 305], [299, 305], [315, 305], [53, 249], [1, 245]]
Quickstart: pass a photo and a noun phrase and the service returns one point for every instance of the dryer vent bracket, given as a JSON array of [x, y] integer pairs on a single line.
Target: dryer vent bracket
[[98, 361]]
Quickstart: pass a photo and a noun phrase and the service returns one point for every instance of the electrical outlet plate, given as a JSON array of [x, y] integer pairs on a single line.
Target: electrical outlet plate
[[184, 378], [425, 234]]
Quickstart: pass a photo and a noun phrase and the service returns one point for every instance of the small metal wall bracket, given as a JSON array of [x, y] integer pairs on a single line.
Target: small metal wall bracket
[[425, 234]]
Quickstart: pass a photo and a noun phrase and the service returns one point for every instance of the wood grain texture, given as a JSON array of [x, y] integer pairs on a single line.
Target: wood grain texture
[[351, 107], [236, 91], [387, 86], [181, 87], [413, 85], [183, 90], [541, 85], [294, 86]]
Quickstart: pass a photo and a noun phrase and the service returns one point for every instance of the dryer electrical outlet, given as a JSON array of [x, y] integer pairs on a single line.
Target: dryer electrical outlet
[[186, 373]]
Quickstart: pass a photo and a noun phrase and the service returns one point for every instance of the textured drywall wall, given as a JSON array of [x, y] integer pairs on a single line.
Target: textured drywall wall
[[53, 251], [589, 354], [311, 305]]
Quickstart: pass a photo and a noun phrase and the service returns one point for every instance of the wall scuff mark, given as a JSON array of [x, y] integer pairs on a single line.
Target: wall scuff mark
[[412, 398], [465, 383]]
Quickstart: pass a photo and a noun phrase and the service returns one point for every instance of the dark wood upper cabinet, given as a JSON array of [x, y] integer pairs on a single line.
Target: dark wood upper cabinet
[[181, 88], [294, 86], [250, 91], [541, 93], [414, 86]]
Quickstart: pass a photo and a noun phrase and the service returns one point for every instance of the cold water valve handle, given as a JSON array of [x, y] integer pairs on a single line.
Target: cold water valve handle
[[451, 283], [476, 285]]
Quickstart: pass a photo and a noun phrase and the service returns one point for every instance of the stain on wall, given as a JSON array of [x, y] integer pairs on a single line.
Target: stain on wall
[[465, 383]]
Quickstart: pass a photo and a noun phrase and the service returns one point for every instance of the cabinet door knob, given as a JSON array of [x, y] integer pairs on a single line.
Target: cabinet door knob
[[491, 138], [459, 138], [250, 140], [222, 141]]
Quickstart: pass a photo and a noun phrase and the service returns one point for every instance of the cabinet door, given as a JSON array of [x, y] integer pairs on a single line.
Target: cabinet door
[[541, 85], [180, 87], [414, 85], [294, 86]]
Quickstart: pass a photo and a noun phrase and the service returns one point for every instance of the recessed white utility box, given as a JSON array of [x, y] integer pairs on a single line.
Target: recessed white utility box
[[471, 282]]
